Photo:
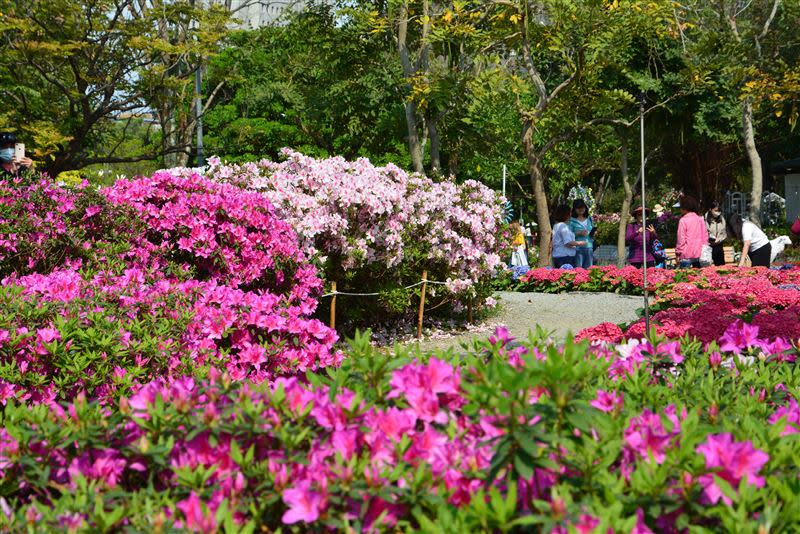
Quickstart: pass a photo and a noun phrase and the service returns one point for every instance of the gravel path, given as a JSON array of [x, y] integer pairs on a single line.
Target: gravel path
[[560, 313]]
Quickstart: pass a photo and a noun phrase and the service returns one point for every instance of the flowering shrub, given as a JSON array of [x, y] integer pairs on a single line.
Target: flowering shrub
[[215, 279], [43, 227], [700, 303], [377, 228], [606, 218], [217, 232], [61, 334], [172, 380], [584, 193], [381, 445]]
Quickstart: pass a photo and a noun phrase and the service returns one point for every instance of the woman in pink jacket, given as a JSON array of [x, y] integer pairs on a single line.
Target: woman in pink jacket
[[692, 234]]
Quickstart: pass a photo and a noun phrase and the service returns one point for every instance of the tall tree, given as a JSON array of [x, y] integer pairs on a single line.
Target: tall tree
[[81, 74], [558, 54], [322, 83], [739, 46]]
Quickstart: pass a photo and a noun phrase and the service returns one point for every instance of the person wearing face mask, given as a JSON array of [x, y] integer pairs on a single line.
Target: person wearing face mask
[[10, 165], [717, 232]]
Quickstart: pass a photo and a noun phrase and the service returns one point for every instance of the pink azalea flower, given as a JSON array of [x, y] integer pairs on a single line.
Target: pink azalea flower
[[198, 518], [791, 413], [304, 504], [48, 335], [739, 336], [252, 354], [501, 336], [640, 527], [732, 461], [106, 465], [647, 437], [91, 211], [586, 524], [607, 401]]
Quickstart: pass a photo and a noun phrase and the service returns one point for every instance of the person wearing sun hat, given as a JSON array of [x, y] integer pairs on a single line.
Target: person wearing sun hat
[[10, 164], [634, 238]]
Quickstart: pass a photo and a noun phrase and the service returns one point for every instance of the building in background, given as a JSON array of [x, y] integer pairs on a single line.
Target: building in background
[[251, 14], [791, 175]]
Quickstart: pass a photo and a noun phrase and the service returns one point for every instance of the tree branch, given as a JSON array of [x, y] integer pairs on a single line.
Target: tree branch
[[533, 72], [185, 149], [769, 20], [211, 97]]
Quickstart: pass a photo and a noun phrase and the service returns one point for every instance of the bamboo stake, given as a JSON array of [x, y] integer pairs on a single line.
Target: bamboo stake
[[333, 305], [469, 310], [422, 303]]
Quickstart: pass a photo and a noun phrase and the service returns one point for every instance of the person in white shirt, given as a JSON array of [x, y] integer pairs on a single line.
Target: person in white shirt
[[564, 242], [755, 243]]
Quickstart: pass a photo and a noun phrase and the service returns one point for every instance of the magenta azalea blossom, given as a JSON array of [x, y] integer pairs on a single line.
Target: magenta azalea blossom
[[304, 504], [792, 414], [607, 401], [646, 437], [732, 461], [106, 465], [500, 337], [586, 524], [640, 527], [197, 518], [739, 336]]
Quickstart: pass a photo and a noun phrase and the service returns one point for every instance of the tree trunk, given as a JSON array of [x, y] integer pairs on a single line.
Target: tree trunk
[[601, 190], [436, 143], [624, 212], [755, 161], [539, 194], [414, 143], [452, 162]]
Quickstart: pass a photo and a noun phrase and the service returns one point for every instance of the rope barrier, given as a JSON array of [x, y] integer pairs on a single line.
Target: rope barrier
[[350, 294], [424, 283]]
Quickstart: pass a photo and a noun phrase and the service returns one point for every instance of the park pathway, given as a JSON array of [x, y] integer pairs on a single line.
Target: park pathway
[[560, 313]]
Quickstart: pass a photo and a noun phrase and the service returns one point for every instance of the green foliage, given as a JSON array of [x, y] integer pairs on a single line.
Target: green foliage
[[79, 74], [555, 456], [141, 341], [606, 233], [319, 84]]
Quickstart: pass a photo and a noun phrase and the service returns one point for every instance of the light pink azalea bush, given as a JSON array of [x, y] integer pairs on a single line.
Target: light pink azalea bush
[[379, 227]]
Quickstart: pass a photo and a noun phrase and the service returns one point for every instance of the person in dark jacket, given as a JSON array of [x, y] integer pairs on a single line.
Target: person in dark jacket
[[717, 232], [10, 164], [635, 237]]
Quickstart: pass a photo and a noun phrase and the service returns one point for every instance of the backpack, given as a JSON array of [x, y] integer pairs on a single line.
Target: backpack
[[658, 251]]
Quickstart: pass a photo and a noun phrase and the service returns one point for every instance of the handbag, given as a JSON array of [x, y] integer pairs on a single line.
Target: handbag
[[705, 255]]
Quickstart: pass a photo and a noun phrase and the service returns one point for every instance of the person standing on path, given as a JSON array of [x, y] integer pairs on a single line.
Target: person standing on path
[[581, 225], [634, 238], [564, 243], [717, 232], [692, 234], [519, 256], [755, 243]]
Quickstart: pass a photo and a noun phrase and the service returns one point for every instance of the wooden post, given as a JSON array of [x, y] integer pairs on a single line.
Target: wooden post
[[333, 305], [422, 303], [469, 310]]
